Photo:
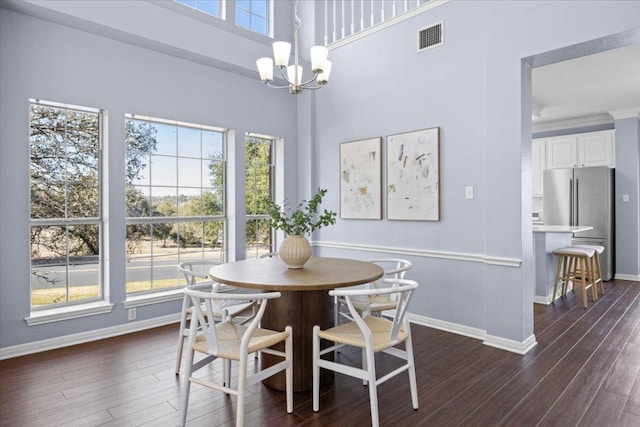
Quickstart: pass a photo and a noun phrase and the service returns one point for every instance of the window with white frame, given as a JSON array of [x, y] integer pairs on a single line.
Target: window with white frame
[[253, 15], [250, 14], [175, 199], [259, 183], [65, 204], [210, 7]]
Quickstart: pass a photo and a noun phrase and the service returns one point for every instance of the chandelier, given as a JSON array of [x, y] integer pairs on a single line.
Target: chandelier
[[292, 74]]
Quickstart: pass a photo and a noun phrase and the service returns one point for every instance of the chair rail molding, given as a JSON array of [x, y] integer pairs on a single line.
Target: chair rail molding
[[459, 256]]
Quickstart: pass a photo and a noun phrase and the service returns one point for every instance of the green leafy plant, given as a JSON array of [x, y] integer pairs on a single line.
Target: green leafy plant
[[304, 218]]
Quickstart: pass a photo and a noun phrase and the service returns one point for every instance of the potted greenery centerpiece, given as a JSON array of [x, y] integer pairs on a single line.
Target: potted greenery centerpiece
[[295, 250]]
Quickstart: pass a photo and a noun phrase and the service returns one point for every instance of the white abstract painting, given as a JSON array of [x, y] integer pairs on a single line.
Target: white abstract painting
[[413, 175], [361, 179]]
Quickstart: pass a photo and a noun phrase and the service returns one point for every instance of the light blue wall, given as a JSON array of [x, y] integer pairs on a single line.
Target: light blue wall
[[475, 89], [43, 60], [627, 213]]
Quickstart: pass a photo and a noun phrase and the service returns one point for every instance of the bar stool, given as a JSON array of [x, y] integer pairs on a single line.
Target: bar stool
[[571, 261], [596, 266]]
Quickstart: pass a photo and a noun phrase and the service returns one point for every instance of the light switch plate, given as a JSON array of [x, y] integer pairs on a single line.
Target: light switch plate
[[468, 192]]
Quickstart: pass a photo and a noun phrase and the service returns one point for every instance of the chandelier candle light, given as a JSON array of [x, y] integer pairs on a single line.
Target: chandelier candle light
[[320, 66]]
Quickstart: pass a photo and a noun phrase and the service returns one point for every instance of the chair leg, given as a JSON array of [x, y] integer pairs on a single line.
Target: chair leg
[[599, 272], [364, 364], [180, 347], [316, 369], [226, 372], [336, 315], [242, 385], [413, 384], [583, 282], [590, 273], [373, 388], [569, 274], [288, 348], [181, 334], [187, 386], [558, 270]]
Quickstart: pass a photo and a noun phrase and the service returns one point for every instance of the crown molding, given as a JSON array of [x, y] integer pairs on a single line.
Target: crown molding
[[601, 119], [626, 113]]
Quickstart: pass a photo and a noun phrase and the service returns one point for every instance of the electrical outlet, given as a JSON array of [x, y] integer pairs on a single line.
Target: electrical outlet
[[468, 192], [625, 197], [132, 313]]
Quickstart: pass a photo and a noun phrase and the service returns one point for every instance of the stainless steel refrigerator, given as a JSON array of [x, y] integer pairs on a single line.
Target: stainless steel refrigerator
[[583, 196]]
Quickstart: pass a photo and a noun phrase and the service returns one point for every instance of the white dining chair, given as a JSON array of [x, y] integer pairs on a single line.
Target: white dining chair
[[230, 341], [394, 268], [196, 274], [373, 335]]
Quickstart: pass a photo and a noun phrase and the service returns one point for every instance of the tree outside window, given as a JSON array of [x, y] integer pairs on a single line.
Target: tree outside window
[[66, 224], [174, 200], [259, 179]]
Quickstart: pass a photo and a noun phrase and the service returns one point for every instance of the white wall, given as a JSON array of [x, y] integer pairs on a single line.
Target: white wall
[[44, 60], [474, 88]]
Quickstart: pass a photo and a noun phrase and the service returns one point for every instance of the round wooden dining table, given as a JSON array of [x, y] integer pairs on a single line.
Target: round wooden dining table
[[305, 302]]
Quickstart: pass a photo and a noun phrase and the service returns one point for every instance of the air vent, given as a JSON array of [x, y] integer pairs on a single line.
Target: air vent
[[430, 37]]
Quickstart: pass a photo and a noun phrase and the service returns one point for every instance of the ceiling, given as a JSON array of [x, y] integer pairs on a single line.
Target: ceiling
[[588, 86]]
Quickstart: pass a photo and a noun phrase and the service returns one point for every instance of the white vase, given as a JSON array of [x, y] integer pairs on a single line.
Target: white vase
[[295, 250]]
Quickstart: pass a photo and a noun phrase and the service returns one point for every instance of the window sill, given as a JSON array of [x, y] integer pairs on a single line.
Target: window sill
[[164, 296], [154, 298], [69, 312]]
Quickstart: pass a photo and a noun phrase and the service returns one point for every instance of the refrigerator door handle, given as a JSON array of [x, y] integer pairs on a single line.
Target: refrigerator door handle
[[577, 204], [570, 201]]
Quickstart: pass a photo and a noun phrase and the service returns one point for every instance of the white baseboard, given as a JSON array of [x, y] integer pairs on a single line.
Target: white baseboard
[[480, 334], [542, 300], [448, 326], [537, 299], [511, 345], [632, 277], [84, 337]]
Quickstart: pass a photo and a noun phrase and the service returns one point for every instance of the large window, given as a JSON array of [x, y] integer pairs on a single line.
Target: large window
[[253, 15], [210, 7], [66, 220], [250, 14], [175, 178], [259, 178]]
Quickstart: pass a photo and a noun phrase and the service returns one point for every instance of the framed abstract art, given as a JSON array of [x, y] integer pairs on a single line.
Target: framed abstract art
[[413, 175], [361, 179]]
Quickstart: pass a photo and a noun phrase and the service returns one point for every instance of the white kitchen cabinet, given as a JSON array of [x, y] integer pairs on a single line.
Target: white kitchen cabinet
[[562, 152], [581, 150], [596, 149], [538, 162]]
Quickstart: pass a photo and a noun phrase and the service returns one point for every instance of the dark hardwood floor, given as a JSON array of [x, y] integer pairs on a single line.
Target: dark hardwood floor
[[585, 371]]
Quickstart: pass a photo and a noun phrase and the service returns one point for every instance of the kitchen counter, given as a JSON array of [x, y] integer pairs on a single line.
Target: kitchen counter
[[547, 238]]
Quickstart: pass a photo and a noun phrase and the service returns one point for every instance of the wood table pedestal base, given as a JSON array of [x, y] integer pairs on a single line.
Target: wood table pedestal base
[[302, 310]]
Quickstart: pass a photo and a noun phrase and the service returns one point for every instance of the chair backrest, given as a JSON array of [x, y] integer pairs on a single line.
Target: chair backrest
[[403, 289], [196, 271], [394, 268], [204, 303]]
